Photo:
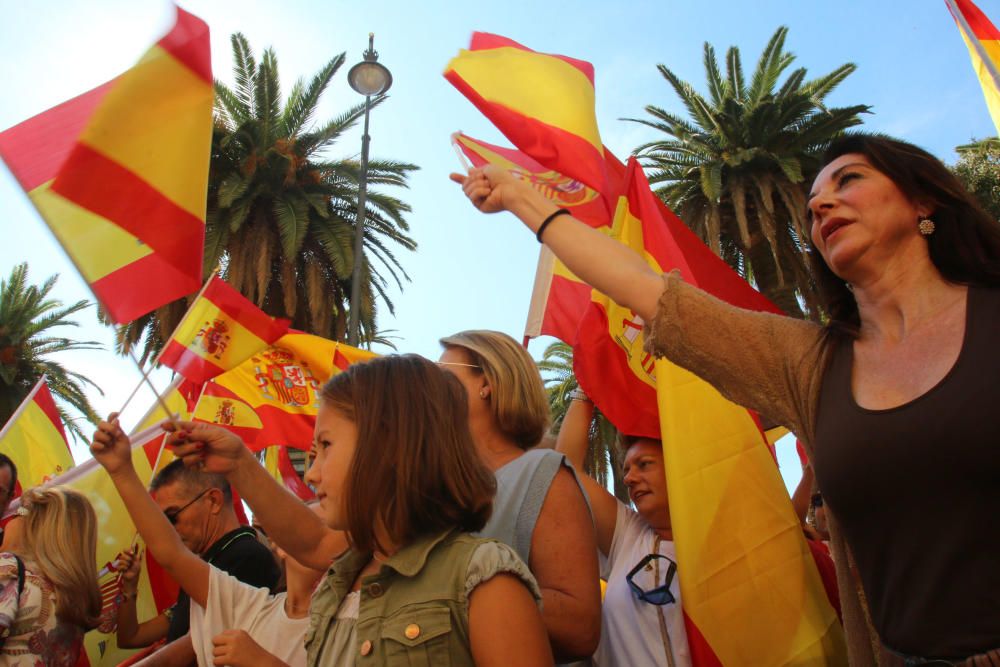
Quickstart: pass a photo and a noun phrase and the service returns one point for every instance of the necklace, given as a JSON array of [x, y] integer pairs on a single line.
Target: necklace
[[668, 647]]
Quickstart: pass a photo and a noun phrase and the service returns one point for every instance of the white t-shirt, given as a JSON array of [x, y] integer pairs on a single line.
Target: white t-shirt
[[630, 629], [234, 605]]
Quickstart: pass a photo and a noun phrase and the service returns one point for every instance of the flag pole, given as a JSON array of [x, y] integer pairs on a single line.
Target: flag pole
[[24, 406], [974, 41], [145, 374], [163, 443]]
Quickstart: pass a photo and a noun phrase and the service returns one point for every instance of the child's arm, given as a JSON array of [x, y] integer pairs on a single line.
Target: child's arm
[[112, 450], [505, 625]]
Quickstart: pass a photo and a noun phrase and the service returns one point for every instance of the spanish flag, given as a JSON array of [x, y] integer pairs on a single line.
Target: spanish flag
[[220, 406], [559, 299], [120, 174], [750, 588], [983, 41], [282, 383], [544, 104], [35, 441], [221, 330]]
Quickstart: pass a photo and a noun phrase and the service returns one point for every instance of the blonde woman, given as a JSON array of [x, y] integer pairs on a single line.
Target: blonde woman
[[540, 508], [49, 595]]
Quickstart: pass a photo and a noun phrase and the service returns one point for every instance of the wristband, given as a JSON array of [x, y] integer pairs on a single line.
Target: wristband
[[546, 221]]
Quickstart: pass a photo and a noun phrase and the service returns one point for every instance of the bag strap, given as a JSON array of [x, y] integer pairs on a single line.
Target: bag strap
[[20, 575]]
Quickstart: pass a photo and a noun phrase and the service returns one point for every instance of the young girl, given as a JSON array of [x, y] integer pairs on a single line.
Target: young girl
[[232, 621], [396, 468], [49, 595]]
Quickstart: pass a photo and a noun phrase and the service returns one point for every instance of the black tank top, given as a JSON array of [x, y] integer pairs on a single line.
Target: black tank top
[[916, 491]]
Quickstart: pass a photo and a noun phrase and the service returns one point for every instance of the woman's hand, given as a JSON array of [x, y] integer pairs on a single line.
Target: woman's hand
[[491, 189], [212, 447], [111, 447], [131, 566]]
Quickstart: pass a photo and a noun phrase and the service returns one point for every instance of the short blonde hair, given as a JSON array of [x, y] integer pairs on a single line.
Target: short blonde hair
[[518, 399], [60, 536]]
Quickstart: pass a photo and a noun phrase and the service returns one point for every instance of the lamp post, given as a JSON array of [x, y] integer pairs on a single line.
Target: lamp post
[[368, 77]]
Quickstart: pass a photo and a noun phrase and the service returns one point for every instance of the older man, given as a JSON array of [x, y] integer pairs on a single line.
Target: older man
[[200, 506]]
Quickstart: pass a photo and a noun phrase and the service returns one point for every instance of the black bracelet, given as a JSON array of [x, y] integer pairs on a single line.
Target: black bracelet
[[546, 221]]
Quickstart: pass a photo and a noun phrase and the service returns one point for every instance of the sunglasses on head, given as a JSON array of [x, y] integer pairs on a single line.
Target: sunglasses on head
[[660, 595]]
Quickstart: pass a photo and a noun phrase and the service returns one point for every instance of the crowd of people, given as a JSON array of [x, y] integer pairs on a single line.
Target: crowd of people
[[443, 534]]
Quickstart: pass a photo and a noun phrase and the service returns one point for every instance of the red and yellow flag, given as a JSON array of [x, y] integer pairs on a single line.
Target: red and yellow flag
[[218, 405], [120, 174], [544, 104], [751, 591], [559, 299], [278, 462], [983, 41], [35, 441], [221, 330], [282, 383]]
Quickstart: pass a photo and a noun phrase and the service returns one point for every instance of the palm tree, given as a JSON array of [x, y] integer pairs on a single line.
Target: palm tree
[[737, 171], [604, 456], [281, 213], [27, 315], [978, 168]]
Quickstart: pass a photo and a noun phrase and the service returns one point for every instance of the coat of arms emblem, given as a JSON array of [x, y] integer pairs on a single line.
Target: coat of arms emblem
[[282, 378], [213, 337]]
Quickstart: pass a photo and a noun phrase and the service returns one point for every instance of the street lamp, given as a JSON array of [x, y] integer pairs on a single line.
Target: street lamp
[[368, 77]]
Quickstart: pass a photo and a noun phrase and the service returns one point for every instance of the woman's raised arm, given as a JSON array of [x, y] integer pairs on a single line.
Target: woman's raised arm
[[602, 262]]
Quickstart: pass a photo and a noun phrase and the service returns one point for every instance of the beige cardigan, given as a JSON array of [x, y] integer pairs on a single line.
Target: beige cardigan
[[774, 365]]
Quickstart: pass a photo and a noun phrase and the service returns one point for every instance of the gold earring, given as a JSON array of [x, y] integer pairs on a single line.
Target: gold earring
[[483, 393], [926, 226]]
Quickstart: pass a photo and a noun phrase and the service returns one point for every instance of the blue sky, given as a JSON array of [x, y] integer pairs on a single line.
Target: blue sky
[[474, 271]]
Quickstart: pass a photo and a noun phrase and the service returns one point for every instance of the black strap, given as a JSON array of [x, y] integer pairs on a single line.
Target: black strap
[[20, 575]]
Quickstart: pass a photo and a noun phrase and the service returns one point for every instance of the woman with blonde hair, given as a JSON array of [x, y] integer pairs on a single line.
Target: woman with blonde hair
[[49, 595], [540, 508]]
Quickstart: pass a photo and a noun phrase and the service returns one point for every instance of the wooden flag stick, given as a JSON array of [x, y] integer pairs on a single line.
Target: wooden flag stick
[[145, 376], [159, 399]]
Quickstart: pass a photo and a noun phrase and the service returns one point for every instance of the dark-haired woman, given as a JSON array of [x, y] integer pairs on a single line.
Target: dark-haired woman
[[395, 467], [895, 398]]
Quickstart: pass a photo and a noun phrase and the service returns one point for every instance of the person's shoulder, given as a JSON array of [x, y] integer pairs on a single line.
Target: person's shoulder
[[492, 557]]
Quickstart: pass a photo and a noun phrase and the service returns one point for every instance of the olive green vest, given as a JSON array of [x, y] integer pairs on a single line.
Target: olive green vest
[[414, 611]]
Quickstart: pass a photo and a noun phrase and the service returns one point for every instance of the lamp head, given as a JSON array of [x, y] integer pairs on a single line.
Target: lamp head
[[369, 77]]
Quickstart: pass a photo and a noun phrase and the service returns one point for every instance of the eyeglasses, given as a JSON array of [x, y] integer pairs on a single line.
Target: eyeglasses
[[172, 516], [660, 595], [457, 363]]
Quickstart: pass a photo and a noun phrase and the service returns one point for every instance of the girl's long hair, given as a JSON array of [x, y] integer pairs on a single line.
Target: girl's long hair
[[415, 470]]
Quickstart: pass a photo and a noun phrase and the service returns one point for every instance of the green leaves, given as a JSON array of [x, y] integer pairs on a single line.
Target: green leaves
[[27, 316], [734, 169], [282, 211]]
